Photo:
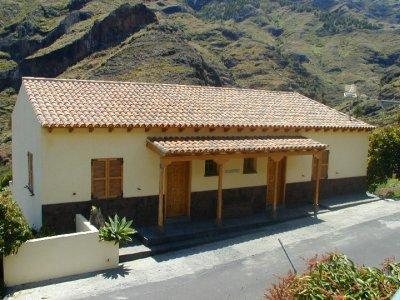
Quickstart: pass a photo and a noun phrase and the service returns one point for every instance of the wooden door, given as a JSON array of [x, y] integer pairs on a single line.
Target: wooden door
[[177, 195], [276, 179]]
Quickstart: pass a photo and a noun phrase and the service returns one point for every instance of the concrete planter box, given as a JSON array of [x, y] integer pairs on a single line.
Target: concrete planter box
[[61, 255]]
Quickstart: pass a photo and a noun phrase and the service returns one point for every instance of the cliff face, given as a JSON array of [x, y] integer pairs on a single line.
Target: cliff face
[[52, 60]]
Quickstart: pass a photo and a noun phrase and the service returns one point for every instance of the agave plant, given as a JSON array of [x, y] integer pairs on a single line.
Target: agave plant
[[117, 230]]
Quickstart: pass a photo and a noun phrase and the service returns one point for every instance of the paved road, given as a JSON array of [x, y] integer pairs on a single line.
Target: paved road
[[241, 268]]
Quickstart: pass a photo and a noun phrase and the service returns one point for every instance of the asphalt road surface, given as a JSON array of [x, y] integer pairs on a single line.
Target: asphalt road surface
[[243, 267]]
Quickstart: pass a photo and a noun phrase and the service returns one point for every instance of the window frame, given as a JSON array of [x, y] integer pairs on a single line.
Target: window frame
[[253, 168], [108, 178], [208, 170], [30, 183]]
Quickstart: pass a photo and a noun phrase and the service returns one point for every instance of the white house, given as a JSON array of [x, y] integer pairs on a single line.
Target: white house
[[156, 151]]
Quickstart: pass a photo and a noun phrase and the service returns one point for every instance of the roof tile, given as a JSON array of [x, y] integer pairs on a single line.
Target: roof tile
[[83, 103], [213, 145]]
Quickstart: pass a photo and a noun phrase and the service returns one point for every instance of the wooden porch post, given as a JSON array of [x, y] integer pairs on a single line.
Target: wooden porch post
[[317, 157], [220, 164], [189, 190], [161, 194], [276, 158]]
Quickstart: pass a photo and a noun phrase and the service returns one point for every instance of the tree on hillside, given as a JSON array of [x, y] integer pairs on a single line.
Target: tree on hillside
[[384, 155]]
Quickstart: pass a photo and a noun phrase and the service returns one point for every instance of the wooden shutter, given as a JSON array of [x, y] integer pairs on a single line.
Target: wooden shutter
[[107, 176], [99, 178], [324, 166], [115, 178]]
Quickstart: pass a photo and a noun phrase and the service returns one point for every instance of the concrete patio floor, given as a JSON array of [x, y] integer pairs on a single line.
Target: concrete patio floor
[[184, 234]]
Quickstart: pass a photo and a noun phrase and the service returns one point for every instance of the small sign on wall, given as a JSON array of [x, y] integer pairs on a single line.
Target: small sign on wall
[[232, 171]]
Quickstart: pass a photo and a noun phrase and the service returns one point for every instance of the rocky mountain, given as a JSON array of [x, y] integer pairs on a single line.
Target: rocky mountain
[[315, 47]]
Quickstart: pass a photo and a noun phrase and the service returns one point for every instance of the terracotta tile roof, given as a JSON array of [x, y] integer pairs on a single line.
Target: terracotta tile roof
[[82, 103], [213, 145]]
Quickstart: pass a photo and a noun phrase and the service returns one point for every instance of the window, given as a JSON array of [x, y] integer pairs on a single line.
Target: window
[[249, 165], [210, 168], [30, 173], [324, 166], [107, 178]]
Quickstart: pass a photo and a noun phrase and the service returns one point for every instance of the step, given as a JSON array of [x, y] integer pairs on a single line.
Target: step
[[192, 230], [138, 250]]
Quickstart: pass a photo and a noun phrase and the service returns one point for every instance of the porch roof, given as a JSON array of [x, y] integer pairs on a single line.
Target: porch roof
[[173, 146]]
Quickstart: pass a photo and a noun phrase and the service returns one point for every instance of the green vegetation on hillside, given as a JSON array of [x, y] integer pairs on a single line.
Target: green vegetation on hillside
[[311, 46]]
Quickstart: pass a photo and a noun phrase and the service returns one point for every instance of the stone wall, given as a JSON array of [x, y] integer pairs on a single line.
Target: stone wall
[[238, 202], [60, 217]]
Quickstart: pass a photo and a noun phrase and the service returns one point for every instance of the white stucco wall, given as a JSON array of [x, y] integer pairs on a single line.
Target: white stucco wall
[[348, 152], [26, 136], [66, 173], [61, 255]]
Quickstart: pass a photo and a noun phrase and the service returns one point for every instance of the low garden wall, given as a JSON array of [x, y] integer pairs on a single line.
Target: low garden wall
[[61, 255]]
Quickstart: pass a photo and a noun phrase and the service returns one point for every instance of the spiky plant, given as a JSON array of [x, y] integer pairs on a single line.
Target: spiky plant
[[117, 230]]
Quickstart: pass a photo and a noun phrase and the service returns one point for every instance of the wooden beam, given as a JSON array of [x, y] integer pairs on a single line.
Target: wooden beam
[[161, 203], [275, 200], [317, 180], [189, 189], [215, 157], [266, 184], [219, 199]]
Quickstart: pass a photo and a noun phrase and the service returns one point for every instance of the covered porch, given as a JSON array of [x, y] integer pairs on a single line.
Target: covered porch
[[177, 154]]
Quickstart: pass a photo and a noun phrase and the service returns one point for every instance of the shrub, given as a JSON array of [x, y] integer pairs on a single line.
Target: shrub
[[383, 155], [44, 231], [5, 180], [389, 189], [334, 276], [14, 230], [117, 230]]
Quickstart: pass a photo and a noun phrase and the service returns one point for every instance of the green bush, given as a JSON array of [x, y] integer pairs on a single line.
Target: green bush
[[117, 230], [383, 155], [44, 231], [5, 180], [334, 276], [14, 230], [389, 189]]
